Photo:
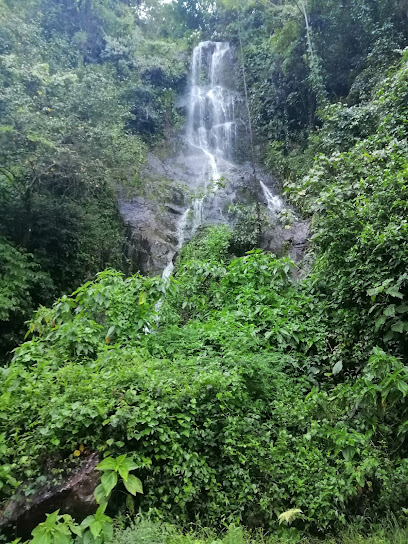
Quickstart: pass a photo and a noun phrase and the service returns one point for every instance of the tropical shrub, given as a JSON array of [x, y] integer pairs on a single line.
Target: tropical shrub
[[22, 285], [223, 417], [357, 195]]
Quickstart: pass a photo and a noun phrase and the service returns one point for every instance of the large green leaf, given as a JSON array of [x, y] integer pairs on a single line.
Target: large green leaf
[[51, 519], [62, 538], [124, 472], [107, 464], [129, 464], [87, 522], [133, 485], [95, 527], [109, 480], [40, 536], [100, 494]]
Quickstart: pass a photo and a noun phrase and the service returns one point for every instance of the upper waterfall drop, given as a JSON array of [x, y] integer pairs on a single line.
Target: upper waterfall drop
[[217, 131], [212, 123]]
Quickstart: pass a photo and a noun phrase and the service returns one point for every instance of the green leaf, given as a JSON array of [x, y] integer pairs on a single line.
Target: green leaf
[[389, 336], [100, 513], [394, 292], [338, 367], [87, 522], [133, 485], [398, 327], [88, 538], [124, 472], [380, 321], [402, 386], [390, 310], [107, 464], [61, 538], [41, 537], [100, 494], [51, 519], [107, 530], [95, 527], [120, 460], [348, 453], [109, 480], [374, 291], [130, 465]]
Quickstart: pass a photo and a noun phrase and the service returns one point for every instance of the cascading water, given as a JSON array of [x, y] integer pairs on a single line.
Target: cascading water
[[212, 161], [274, 202], [180, 240], [211, 129], [215, 128], [212, 125]]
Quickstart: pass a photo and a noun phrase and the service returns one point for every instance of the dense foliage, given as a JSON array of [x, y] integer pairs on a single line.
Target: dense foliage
[[237, 393], [300, 55], [82, 89], [221, 411]]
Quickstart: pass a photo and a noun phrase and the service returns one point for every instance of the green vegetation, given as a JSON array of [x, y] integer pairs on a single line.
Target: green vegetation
[[239, 396], [82, 91], [147, 532], [300, 56], [96, 528], [227, 413]]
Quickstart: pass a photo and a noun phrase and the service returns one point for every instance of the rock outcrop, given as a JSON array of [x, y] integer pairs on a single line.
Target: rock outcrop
[[75, 496], [152, 219]]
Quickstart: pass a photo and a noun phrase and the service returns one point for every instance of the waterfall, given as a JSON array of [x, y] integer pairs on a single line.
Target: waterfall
[[215, 122], [180, 241], [211, 124], [211, 129]]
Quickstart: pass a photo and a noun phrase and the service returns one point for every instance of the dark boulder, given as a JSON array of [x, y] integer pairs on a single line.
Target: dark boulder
[[75, 496]]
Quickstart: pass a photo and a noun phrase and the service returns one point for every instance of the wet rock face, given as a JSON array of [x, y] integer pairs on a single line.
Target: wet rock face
[[152, 222], [74, 496], [291, 241], [149, 233]]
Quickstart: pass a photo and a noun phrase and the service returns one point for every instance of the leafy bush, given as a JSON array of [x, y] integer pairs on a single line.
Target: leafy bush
[[22, 284], [357, 195], [215, 431], [72, 124], [96, 528], [108, 309]]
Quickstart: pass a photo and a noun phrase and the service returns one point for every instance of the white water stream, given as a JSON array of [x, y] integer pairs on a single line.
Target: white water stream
[[211, 124], [274, 202], [212, 134], [180, 241]]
